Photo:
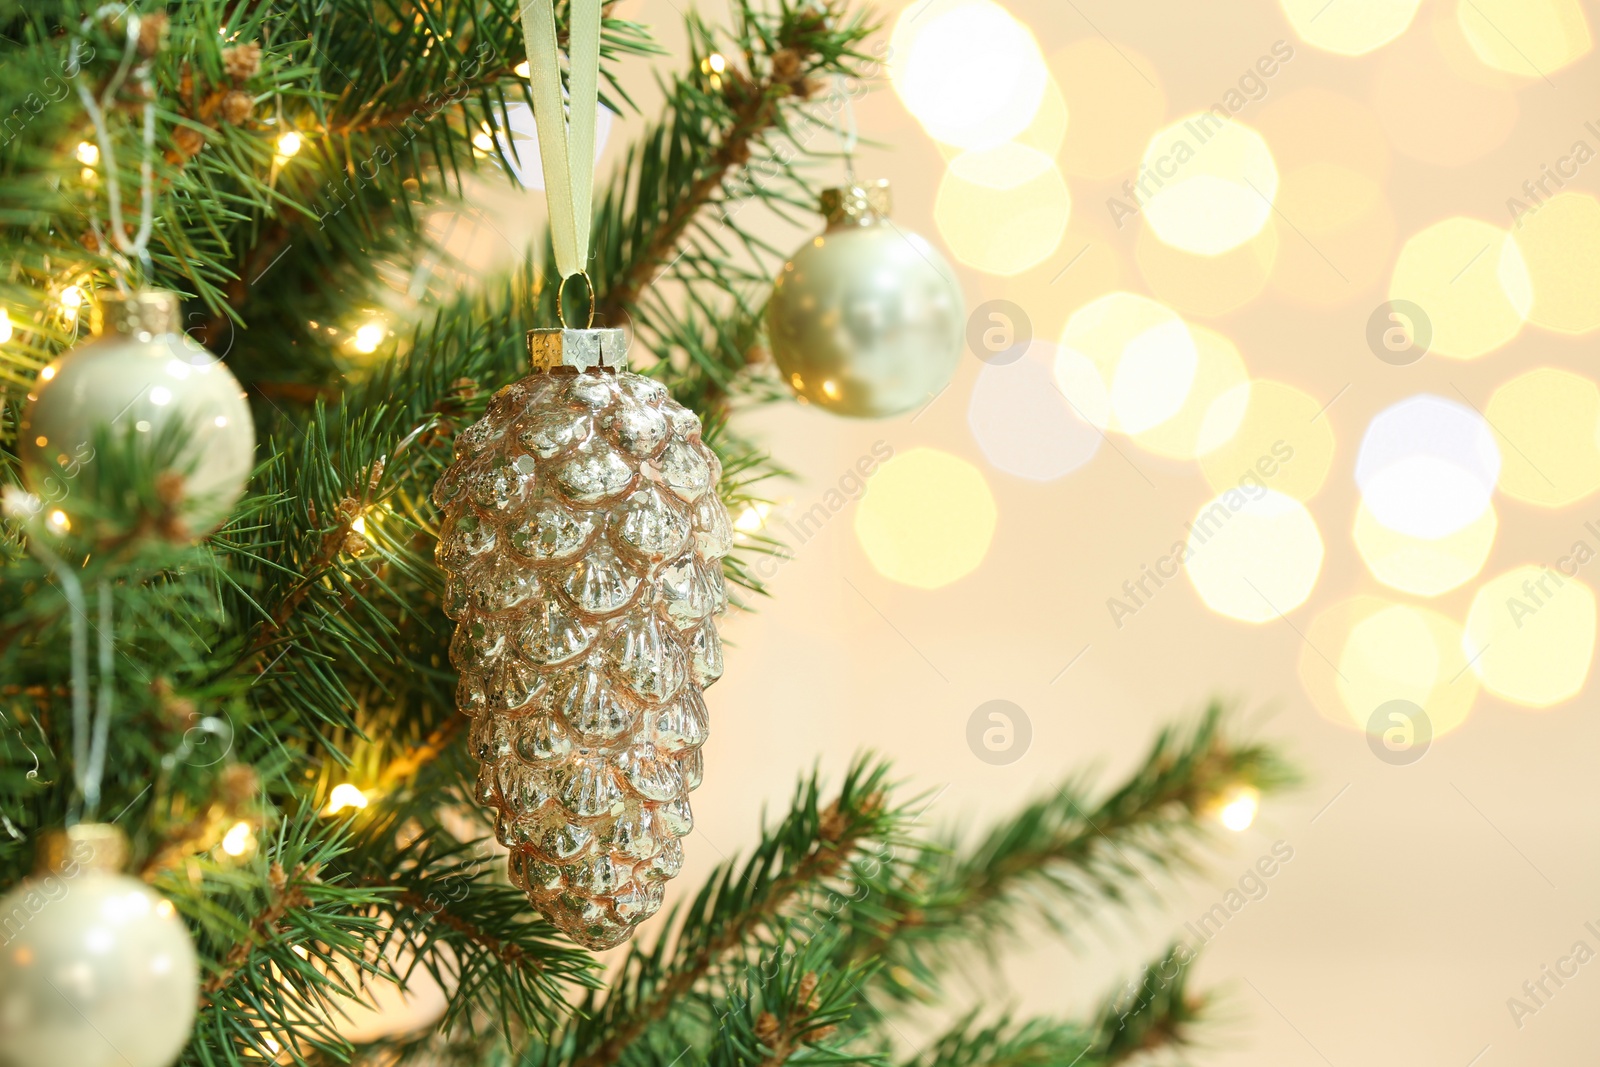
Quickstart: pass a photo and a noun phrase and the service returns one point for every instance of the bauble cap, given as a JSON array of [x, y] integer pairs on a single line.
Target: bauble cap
[[856, 205]]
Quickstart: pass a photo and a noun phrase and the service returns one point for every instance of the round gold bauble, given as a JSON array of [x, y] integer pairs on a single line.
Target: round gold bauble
[[867, 318]]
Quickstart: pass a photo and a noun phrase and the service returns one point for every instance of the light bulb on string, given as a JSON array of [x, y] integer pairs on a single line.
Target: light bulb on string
[[239, 839], [88, 153], [345, 796], [289, 144], [369, 336], [1238, 808], [71, 300], [5, 327]]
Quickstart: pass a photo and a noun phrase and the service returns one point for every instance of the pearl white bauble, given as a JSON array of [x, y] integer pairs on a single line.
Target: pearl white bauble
[[867, 319], [97, 970], [140, 375]]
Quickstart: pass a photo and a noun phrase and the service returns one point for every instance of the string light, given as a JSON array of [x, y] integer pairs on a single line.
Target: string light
[[753, 517], [1239, 807], [369, 336], [345, 795], [59, 521], [88, 153], [5, 333], [521, 70], [360, 527], [712, 66], [288, 144], [71, 301], [483, 140], [238, 840]]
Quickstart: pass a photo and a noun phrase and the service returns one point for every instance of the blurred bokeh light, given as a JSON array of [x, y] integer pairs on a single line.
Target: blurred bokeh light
[[1424, 566], [1363, 652], [1126, 362], [926, 518], [1283, 441], [1022, 422], [1531, 38], [1530, 635], [1349, 27], [1550, 418], [1213, 410], [1002, 210], [1253, 556], [1207, 183], [970, 72], [1427, 466], [1470, 279], [1560, 243]]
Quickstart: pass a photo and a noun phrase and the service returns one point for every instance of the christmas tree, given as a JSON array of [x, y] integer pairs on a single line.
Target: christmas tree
[[254, 685]]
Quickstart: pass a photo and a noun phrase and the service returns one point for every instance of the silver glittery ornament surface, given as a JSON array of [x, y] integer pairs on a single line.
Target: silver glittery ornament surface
[[867, 318], [582, 542]]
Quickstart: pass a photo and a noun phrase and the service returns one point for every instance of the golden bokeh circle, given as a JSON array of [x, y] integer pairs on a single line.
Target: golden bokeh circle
[[1002, 210], [1253, 555], [1470, 278], [1126, 362], [1530, 635], [1349, 27], [1528, 38], [926, 518], [1282, 442], [1550, 418], [1560, 243], [1363, 652], [1206, 183], [1424, 566]]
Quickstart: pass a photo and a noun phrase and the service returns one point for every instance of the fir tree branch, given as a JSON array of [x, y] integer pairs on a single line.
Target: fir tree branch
[[1155, 1012], [813, 845], [1059, 856]]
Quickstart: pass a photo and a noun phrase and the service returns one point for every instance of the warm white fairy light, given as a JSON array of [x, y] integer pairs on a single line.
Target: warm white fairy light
[[71, 300], [344, 796], [288, 144], [59, 522], [238, 839], [88, 153], [369, 336], [483, 140], [1239, 808], [521, 70], [753, 517], [5, 333]]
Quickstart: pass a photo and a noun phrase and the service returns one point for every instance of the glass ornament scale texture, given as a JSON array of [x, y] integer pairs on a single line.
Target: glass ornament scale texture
[[582, 541]]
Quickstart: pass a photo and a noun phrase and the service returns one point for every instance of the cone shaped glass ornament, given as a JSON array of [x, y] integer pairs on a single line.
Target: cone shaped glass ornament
[[867, 318], [97, 969], [144, 380], [582, 542]]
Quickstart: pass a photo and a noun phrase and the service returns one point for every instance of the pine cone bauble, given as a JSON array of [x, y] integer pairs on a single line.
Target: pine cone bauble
[[582, 540]]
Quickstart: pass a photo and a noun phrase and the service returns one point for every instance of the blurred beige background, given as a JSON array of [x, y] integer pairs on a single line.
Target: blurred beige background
[[1420, 896]]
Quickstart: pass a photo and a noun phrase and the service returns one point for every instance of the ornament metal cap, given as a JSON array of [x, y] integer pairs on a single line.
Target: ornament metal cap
[[143, 311], [579, 349], [95, 846], [856, 205]]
